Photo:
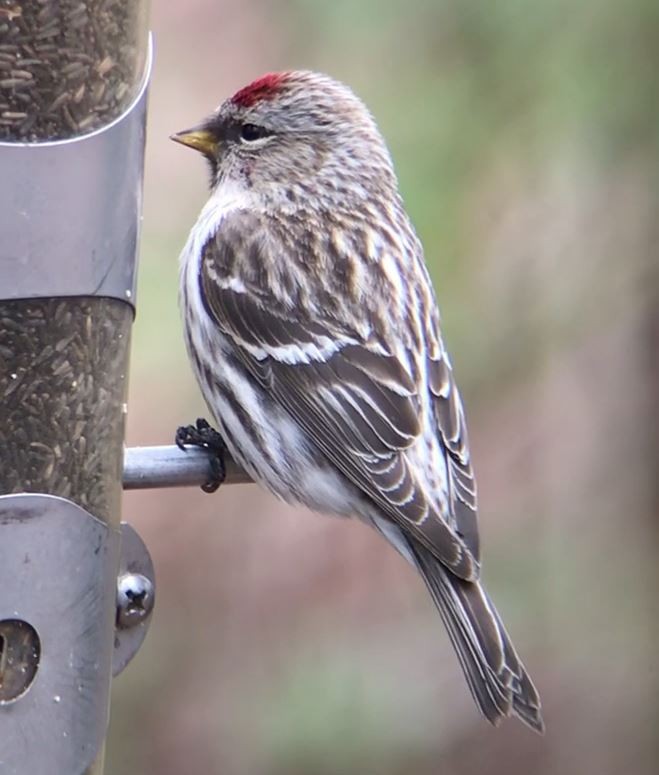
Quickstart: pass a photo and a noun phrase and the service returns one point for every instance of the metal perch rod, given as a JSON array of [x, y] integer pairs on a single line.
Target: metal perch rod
[[169, 466]]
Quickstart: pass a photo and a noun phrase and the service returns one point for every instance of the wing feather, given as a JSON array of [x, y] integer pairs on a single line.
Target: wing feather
[[449, 415], [355, 400]]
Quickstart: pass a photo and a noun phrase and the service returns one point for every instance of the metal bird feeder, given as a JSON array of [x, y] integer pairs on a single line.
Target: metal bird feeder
[[73, 78]]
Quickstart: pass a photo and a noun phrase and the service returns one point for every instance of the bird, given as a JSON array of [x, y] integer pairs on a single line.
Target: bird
[[313, 330]]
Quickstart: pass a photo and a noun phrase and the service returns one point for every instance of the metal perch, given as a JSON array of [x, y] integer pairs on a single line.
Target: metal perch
[[168, 466]]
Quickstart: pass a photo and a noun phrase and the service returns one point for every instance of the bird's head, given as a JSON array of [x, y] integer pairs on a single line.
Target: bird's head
[[289, 135]]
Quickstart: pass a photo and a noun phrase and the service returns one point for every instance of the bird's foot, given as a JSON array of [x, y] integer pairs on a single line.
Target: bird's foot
[[203, 435]]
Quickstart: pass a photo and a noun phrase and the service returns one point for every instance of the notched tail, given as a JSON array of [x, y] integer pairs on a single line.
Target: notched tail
[[496, 677]]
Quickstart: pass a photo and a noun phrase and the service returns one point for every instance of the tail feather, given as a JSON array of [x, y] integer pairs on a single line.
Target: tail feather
[[496, 677]]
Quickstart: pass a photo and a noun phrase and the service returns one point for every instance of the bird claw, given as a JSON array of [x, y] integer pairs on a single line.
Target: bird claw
[[203, 435]]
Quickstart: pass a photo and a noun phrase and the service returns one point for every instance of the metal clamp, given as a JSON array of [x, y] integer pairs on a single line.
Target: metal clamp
[[56, 609], [69, 211], [55, 561]]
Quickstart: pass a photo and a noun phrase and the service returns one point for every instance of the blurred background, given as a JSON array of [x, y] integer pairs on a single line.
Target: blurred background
[[526, 139]]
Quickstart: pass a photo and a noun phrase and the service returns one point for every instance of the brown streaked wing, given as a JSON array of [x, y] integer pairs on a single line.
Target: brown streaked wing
[[387, 478], [453, 431], [359, 407]]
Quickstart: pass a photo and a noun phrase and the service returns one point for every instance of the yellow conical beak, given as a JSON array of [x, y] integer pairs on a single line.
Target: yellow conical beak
[[198, 138]]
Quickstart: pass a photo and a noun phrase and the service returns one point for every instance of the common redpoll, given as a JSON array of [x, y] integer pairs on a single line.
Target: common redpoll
[[313, 330]]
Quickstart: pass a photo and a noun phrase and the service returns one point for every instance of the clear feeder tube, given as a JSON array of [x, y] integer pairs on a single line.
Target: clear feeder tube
[[68, 70]]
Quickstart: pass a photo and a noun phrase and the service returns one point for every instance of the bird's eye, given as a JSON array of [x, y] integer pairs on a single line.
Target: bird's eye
[[251, 132]]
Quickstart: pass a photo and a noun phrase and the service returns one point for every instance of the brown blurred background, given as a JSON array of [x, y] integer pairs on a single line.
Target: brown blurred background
[[526, 139]]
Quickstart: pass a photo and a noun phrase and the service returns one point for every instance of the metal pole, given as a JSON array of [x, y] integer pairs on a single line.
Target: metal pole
[[72, 106], [168, 466]]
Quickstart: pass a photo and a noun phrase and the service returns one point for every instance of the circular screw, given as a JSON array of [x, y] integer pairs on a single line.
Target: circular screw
[[135, 597]]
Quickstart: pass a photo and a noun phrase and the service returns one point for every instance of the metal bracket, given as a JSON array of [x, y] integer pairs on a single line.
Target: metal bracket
[[69, 211], [56, 608], [136, 596]]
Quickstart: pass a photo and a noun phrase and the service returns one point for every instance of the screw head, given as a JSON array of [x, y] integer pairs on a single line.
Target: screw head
[[135, 598]]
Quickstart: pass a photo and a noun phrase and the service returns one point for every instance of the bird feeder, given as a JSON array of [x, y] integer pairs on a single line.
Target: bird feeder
[[73, 79]]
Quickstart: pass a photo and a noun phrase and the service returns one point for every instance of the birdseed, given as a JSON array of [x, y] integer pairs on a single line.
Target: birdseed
[[63, 379], [68, 67]]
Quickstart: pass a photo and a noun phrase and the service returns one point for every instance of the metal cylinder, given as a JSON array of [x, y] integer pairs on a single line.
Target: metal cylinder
[[169, 466], [70, 70]]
